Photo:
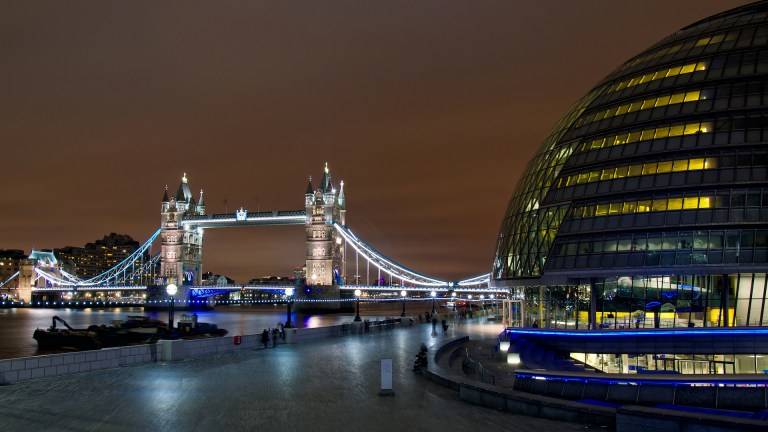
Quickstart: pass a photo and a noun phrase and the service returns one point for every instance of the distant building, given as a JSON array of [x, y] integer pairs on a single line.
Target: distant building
[[9, 265], [271, 280], [99, 256], [211, 279]]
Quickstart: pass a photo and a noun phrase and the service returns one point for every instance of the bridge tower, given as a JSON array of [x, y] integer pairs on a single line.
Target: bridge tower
[[44, 260], [26, 279], [182, 249], [325, 259]]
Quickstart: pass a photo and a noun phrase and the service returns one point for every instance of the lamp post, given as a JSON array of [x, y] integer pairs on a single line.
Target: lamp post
[[453, 298], [493, 302], [482, 301], [402, 294], [433, 294], [469, 301], [171, 289], [289, 294], [357, 296]]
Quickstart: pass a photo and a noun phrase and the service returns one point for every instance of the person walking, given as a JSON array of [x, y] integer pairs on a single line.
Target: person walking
[[275, 333], [265, 337]]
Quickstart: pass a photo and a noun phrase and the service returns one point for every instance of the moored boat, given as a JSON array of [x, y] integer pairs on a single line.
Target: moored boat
[[134, 330]]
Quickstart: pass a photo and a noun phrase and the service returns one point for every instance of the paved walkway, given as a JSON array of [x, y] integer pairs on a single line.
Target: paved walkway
[[327, 385]]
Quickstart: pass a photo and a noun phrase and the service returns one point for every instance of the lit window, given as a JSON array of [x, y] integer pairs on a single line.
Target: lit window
[[646, 205], [690, 203], [677, 98], [659, 74], [675, 204]]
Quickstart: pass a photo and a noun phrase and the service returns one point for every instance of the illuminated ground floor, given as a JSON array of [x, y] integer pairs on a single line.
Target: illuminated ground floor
[[699, 364], [647, 301]]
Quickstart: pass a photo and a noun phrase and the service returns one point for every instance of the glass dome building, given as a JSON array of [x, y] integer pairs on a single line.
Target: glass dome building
[[647, 205]]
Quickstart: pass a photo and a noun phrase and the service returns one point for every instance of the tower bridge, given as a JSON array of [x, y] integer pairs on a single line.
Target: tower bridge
[[328, 279]]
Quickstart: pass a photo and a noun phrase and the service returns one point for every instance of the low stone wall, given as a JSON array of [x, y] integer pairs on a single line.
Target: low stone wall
[[46, 366]]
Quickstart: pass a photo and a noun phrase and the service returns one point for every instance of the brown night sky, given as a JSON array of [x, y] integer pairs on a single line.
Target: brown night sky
[[427, 110]]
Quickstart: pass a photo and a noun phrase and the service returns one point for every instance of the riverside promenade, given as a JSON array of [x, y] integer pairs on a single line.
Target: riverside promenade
[[328, 384]]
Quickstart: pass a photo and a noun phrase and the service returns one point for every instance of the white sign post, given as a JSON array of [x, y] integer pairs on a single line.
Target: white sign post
[[386, 378]]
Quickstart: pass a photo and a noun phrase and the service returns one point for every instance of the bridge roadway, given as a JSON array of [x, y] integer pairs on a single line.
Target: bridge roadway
[[324, 385]]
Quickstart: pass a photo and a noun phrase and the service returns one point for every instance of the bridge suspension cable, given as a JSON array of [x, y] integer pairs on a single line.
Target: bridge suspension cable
[[9, 279], [113, 274], [386, 265], [482, 279]]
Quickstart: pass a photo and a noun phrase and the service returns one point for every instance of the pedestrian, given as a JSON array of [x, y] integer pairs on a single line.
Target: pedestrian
[[445, 326], [275, 333], [265, 337], [434, 324], [281, 330]]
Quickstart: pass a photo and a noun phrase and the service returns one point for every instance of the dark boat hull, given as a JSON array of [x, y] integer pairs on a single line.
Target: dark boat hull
[[65, 339], [137, 330]]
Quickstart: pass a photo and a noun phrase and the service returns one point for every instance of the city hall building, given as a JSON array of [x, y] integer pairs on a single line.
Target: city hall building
[[647, 205]]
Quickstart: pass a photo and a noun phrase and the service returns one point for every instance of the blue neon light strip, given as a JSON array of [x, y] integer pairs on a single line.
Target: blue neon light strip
[[635, 333], [645, 381]]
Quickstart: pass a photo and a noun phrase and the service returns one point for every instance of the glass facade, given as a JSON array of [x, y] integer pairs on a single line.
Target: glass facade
[[647, 205]]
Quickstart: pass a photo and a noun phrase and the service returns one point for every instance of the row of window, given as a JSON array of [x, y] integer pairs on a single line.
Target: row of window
[[646, 134], [669, 50], [649, 168], [752, 129], [735, 199], [642, 206], [733, 65], [725, 35], [659, 74], [711, 240], [670, 219], [655, 102], [730, 96], [681, 258]]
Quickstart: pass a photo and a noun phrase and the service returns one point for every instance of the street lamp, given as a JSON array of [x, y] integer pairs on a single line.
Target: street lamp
[[453, 299], [289, 294], [171, 289], [402, 294], [433, 294], [357, 314], [469, 301], [482, 301]]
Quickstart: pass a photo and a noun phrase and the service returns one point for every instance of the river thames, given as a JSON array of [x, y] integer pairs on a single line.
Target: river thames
[[18, 324]]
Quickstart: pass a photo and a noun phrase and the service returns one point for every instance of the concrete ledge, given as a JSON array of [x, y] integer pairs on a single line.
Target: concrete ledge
[[637, 418]]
